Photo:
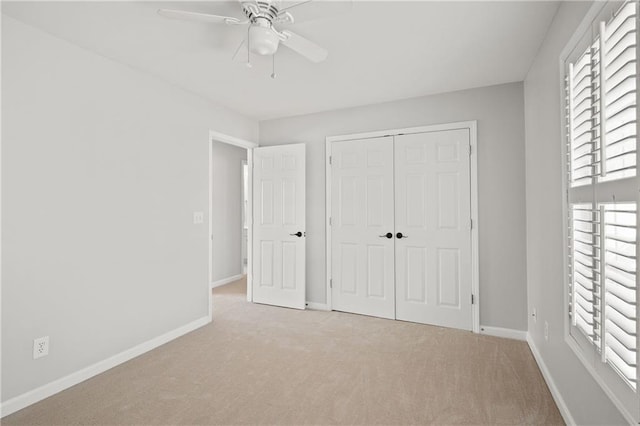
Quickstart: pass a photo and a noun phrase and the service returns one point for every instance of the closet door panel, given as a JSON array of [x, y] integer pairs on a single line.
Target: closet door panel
[[432, 207], [362, 214]]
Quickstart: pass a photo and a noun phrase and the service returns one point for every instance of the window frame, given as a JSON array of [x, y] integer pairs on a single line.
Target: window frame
[[627, 401]]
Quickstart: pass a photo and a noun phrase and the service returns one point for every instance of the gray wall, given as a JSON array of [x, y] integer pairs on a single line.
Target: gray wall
[[227, 210], [545, 239], [500, 115], [102, 169]]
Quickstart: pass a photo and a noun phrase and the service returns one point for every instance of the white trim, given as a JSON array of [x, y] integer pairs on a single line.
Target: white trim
[[317, 306], [472, 126], [580, 31], [227, 280], [1, 275], [404, 131], [475, 246], [248, 145], [31, 397], [244, 209], [555, 392], [327, 218], [210, 235], [250, 225], [507, 333], [231, 140]]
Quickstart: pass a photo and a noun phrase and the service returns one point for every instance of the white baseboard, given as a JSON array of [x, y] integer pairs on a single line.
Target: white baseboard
[[31, 397], [317, 306], [557, 397], [508, 333], [226, 280]]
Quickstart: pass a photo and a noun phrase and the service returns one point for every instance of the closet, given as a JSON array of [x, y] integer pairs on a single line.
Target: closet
[[400, 227]]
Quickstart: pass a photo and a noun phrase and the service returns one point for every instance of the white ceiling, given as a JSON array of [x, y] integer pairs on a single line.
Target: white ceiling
[[378, 51]]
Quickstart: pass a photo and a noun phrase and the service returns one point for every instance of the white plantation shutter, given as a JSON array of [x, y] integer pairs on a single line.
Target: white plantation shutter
[[602, 197], [582, 161], [620, 307], [620, 79], [585, 270]]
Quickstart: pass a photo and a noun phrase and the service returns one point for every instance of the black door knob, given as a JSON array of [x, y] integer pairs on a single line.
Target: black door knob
[[399, 235], [387, 235], [297, 234]]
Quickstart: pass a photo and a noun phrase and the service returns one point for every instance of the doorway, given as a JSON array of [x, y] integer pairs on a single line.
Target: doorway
[[226, 177], [274, 213]]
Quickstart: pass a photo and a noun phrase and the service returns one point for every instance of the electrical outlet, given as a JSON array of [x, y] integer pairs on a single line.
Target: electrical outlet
[[546, 331], [534, 314], [198, 218], [40, 347]]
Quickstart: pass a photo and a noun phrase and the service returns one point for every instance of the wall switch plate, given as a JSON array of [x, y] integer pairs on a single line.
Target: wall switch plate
[[198, 218], [40, 347], [546, 331]]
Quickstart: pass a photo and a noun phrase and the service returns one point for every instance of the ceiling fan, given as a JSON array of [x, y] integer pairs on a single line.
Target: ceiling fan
[[263, 38]]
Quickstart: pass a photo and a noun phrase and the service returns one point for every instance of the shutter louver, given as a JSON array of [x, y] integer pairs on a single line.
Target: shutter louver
[[619, 72], [581, 141], [585, 269], [620, 289]]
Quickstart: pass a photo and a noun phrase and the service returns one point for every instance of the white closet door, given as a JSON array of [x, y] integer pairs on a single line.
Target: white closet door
[[433, 257], [362, 216], [279, 225]]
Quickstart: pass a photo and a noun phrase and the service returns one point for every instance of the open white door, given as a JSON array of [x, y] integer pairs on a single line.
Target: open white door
[[279, 225]]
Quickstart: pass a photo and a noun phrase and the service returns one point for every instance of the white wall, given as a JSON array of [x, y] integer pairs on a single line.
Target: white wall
[[545, 239], [102, 169], [499, 111], [227, 210]]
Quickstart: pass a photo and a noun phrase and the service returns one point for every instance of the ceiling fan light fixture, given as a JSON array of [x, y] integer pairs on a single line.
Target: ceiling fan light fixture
[[263, 36], [263, 40]]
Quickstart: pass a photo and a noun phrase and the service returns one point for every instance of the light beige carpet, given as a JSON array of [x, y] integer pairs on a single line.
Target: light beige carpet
[[259, 364]]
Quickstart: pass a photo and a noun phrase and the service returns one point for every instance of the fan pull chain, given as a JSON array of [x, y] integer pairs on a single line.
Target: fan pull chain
[[273, 66], [248, 48]]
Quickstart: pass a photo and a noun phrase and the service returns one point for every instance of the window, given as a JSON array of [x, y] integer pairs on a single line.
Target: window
[[601, 87]]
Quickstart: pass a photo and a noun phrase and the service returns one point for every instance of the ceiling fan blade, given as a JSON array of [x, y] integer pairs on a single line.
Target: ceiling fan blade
[[306, 48], [293, 4], [201, 17], [310, 10]]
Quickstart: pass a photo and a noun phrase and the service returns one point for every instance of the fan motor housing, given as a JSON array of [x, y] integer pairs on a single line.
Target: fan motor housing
[[260, 9]]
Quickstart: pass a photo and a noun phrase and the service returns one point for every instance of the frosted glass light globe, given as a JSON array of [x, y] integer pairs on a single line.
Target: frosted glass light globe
[[263, 40]]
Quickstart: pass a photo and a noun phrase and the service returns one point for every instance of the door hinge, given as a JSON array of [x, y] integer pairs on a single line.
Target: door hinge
[[330, 282], [331, 159], [470, 223], [469, 149], [472, 300], [330, 222]]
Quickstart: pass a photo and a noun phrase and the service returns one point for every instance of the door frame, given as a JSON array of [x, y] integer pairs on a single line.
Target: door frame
[[248, 145], [244, 209], [472, 126]]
